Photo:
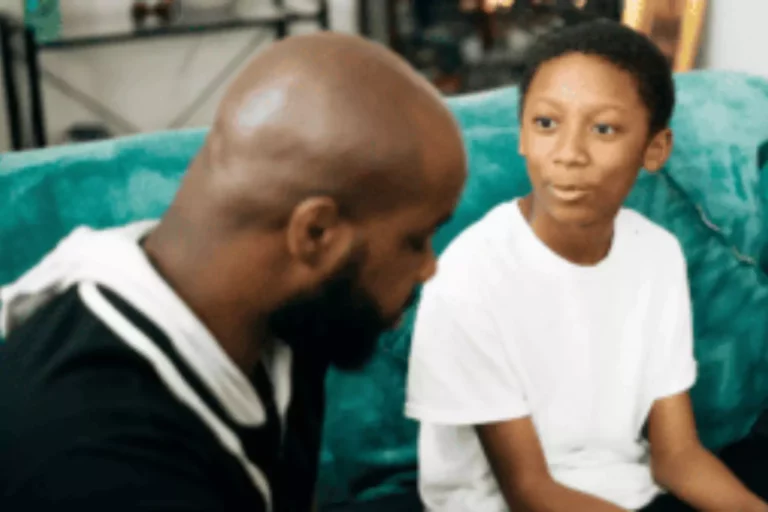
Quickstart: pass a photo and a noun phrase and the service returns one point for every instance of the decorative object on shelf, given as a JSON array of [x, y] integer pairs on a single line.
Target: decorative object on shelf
[[165, 11], [188, 12], [140, 11], [675, 25], [195, 11], [44, 16], [86, 132]]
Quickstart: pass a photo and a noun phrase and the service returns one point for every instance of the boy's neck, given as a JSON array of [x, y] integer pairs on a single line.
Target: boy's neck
[[582, 245]]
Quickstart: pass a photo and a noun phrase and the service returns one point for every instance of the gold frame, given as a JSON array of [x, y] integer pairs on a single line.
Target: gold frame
[[639, 14]]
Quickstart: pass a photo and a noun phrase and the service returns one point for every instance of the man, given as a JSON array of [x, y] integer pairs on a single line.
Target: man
[[179, 365]]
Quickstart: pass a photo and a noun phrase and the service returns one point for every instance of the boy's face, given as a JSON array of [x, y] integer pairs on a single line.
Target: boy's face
[[585, 135]]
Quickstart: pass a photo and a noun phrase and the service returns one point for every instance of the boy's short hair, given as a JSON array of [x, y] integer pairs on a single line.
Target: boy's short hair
[[620, 45]]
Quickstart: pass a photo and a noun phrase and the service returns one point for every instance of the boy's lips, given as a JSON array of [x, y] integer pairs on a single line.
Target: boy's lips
[[568, 194]]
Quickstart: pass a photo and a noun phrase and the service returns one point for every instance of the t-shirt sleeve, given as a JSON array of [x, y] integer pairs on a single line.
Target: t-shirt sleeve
[[459, 372], [676, 368]]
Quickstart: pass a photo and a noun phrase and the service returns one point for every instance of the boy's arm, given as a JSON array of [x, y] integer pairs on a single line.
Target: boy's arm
[[688, 470], [517, 459], [679, 462]]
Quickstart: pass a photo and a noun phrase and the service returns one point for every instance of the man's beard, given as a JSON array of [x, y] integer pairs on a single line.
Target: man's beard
[[339, 324]]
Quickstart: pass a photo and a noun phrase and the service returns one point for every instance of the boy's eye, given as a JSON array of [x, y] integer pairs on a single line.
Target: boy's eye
[[545, 123], [604, 129]]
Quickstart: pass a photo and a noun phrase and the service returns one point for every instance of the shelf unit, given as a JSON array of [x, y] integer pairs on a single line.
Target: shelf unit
[[15, 36]]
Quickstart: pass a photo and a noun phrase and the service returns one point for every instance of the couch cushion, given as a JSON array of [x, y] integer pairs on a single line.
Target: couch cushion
[[762, 161], [46, 194]]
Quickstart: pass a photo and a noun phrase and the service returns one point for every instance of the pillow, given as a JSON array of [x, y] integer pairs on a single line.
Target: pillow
[[730, 302], [720, 121]]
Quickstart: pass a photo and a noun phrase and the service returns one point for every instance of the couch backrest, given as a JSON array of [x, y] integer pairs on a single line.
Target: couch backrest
[[708, 195]]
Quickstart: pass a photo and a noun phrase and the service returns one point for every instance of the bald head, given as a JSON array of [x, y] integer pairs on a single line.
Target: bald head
[[309, 213], [323, 114]]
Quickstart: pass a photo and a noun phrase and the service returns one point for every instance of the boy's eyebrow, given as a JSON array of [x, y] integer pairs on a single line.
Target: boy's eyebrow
[[599, 106]]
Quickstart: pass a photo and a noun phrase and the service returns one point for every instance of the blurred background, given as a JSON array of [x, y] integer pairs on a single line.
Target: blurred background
[[75, 70]]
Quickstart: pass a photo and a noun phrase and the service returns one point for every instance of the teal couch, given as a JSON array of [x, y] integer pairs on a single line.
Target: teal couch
[[712, 195]]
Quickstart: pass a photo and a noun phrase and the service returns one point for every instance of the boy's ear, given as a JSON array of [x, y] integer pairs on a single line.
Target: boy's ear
[[658, 150]]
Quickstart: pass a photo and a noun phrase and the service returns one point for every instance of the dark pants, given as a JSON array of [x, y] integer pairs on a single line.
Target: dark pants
[[401, 503], [748, 459]]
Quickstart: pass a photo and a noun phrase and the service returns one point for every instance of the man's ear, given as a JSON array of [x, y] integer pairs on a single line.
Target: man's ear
[[658, 150], [317, 235]]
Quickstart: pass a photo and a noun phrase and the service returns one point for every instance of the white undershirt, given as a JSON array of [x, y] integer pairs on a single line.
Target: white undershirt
[[509, 329]]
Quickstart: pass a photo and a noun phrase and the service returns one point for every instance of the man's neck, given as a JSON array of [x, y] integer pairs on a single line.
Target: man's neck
[[582, 245], [238, 333]]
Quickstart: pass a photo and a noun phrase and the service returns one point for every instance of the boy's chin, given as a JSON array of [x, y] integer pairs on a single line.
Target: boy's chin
[[575, 216], [578, 215]]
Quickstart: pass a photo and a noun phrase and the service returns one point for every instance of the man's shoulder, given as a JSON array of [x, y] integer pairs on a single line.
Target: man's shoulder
[[64, 375], [65, 342], [75, 399]]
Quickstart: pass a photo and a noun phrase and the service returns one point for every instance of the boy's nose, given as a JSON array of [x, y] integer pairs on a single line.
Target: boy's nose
[[571, 149]]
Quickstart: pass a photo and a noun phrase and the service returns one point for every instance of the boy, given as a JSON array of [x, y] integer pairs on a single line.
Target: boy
[[560, 323]]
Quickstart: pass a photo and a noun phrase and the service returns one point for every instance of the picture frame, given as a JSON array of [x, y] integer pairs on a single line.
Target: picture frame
[[674, 25]]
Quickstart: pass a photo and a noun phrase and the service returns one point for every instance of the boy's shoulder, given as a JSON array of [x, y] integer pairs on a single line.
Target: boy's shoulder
[[498, 225], [650, 240], [480, 236], [477, 253], [488, 248]]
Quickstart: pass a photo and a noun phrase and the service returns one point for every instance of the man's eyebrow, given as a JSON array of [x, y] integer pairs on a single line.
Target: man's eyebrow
[[445, 220]]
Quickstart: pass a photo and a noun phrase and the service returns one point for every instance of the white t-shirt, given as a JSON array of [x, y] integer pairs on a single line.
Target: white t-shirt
[[509, 329]]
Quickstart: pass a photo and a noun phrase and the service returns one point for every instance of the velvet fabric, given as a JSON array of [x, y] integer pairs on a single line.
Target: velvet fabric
[[712, 195]]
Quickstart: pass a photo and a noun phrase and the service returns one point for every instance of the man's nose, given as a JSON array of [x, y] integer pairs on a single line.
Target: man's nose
[[429, 268]]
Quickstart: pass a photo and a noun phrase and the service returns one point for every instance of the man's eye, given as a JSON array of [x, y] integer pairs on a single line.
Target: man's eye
[[545, 123], [604, 129], [418, 243]]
